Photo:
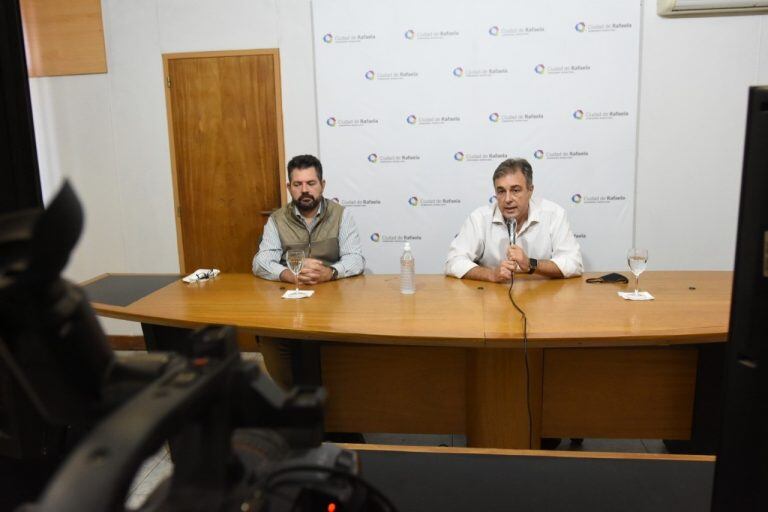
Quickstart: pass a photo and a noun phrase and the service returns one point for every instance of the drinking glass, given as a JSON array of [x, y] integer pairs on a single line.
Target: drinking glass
[[295, 260], [637, 259]]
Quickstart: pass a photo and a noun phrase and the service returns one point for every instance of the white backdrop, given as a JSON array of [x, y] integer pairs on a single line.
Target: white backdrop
[[419, 101]]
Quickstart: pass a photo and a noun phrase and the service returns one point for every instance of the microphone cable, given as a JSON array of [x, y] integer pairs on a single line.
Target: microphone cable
[[525, 358], [513, 240]]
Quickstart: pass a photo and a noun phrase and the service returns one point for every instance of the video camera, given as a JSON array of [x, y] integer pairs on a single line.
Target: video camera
[[238, 442]]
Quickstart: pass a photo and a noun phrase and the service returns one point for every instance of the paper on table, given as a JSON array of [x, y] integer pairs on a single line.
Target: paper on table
[[201, 274], [639, 296], [301, 294]]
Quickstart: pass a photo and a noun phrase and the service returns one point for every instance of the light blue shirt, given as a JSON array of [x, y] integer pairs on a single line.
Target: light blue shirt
[[266, 263]]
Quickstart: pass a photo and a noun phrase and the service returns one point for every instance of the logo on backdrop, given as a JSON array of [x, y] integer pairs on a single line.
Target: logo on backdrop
[[519, 117], [461, 156], [540, 154], [420, 201], [347, 38], [350, 122], [580, 235], [582, 27], [597, 198], [515, 31], [356, 203], [379, 237], [411, 34], [375, 158], [390, 75], [459, 72], [596, 115], [413, 119], [564, 69]]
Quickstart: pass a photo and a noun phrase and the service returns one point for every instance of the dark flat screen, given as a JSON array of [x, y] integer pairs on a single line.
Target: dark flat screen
[[461, 482]]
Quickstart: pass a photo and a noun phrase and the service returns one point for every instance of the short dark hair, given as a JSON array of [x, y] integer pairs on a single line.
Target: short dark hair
[[513, 165], [305, 162]]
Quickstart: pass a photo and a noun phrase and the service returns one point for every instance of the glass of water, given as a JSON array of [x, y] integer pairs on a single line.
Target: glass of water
[[637, 260], [295, 260]]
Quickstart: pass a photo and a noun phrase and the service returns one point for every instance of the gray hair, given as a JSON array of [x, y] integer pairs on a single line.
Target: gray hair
[[513, 165]]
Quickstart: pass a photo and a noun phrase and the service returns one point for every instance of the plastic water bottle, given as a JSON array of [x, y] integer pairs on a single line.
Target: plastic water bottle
[[407, 271]]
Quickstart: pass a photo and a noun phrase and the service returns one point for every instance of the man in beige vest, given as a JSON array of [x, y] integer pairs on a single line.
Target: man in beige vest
[[327, 234]]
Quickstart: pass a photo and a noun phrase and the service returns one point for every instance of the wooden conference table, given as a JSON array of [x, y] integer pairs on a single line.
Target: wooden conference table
[[451, 358]]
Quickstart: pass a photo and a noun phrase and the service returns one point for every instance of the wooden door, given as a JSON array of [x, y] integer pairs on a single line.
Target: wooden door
[[225, 125]]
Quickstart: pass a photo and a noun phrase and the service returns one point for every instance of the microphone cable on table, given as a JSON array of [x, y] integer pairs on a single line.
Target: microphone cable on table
[[512, 230], [525, 358]]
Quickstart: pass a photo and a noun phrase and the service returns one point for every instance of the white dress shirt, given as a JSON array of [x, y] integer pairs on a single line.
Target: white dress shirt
[[545, 235], [266, 263]]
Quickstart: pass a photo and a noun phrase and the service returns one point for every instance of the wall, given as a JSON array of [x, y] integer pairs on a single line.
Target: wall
[[108, 133]]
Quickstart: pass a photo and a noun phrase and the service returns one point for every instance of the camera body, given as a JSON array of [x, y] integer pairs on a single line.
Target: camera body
[[237, 441]]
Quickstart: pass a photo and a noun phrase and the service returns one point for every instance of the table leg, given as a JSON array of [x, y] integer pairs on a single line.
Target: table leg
[[497, 409]]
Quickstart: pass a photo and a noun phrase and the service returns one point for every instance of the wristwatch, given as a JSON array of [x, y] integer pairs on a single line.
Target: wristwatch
[[334, 273], [533, 264]]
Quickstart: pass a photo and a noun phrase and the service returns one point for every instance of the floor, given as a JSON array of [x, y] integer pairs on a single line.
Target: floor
[[158, 467]]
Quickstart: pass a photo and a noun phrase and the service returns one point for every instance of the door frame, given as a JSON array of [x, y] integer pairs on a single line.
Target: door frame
[[167, 57]]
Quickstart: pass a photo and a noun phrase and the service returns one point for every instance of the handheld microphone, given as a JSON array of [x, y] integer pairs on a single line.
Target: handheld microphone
[[512, 230]]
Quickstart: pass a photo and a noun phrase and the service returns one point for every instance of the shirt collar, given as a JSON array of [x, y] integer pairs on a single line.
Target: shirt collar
[[534, 213]]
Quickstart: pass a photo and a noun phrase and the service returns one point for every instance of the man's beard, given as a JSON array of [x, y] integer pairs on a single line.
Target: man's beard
[[307, 206]]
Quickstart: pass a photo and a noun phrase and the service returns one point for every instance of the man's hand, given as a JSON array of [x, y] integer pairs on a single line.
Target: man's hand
[[500, 274], [503, 273], [517, 255], [314, 272]]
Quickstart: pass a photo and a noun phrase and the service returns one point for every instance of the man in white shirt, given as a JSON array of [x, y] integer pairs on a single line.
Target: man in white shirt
[[516, 233]]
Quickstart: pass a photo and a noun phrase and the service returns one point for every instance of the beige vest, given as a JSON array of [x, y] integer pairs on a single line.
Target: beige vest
[[322, 243]]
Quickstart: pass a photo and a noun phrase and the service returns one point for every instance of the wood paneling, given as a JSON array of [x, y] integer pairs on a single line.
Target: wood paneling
[[619, 392], [119, 342], [245, 340], [226, 137], [63, 37], [497, 413], [394, 389]]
